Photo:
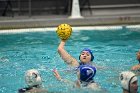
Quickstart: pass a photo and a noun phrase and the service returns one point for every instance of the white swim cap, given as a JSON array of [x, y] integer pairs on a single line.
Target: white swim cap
[[32, 78], [126, 78]]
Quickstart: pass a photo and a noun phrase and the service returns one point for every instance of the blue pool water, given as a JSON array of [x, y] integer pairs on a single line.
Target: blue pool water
[[114, 49]]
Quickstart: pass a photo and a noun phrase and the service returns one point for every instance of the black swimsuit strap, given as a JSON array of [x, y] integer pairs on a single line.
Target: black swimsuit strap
[[22, 90]]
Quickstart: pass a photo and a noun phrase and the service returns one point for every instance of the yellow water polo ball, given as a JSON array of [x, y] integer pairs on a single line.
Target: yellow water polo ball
[[64, 31]]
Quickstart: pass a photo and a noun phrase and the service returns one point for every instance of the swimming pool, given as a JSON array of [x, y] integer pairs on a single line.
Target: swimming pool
[[114, 48]]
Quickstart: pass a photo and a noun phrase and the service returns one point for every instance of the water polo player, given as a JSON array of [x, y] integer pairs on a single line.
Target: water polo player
[[137, 67], [86, 56], [129, 82], [34, 82], [85, 76]]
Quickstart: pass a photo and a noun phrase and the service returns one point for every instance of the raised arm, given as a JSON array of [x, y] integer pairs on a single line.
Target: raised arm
[[65, 55]]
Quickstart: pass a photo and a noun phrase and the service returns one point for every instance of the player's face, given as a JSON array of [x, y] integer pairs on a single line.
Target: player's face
[[85, 56]]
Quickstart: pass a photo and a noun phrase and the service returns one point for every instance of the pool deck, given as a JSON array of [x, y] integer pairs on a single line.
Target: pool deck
[[99, 17]]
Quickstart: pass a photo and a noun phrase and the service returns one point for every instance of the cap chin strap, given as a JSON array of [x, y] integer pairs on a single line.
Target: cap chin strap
[[139, 61], [126, 90], [129, 84]]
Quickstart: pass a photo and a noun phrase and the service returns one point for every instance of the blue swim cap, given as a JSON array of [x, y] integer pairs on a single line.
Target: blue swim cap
[[90, 51], [87, 72]]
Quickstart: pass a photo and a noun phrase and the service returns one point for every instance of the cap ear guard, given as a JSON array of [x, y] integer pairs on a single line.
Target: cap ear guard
[[123, 81]]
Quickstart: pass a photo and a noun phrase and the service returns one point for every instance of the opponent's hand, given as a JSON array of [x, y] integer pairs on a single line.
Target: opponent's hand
[[56, 74]]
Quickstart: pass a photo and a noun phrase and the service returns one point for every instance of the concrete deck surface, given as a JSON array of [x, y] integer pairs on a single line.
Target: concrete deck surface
[[98, 17]]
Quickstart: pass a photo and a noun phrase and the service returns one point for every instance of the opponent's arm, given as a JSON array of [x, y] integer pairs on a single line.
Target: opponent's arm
[[58, 77]]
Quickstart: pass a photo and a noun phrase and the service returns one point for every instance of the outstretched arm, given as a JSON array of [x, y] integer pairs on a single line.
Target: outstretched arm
[[65, 55], [58, 77]]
